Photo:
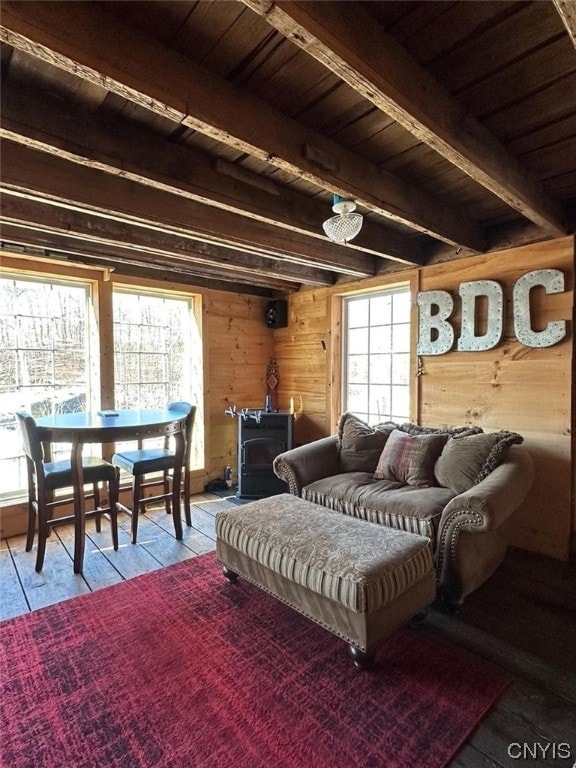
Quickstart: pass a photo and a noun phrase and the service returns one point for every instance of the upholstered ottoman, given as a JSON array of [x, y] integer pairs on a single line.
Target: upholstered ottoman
[[360, 580]]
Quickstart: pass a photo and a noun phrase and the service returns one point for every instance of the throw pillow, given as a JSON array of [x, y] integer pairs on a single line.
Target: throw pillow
[[416, 429], [360, 444], [410, 459], [468, 459], [498, 453]]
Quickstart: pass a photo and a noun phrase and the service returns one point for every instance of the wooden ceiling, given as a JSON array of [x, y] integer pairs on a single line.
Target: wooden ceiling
[[202, 141]]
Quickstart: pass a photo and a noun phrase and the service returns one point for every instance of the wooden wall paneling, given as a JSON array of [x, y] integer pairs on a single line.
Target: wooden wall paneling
[[239, 347], [514, 387], [543, 522], [494, 393], [334, 363], [302, 362], [102, 303], [105, 329], [511, 387]]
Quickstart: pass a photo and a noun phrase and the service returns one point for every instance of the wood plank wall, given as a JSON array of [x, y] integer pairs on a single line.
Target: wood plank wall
[[510, 387], [238, 348]]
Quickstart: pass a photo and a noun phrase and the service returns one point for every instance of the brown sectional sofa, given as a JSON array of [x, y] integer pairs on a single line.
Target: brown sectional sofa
[[459, 487]]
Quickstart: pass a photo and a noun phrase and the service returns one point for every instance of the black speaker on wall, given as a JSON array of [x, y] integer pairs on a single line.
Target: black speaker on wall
[[276, 314]]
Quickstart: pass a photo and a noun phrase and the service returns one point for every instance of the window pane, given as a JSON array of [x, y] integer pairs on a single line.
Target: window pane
[[357, 400], [401, 338], [157, 346], [358, 341], [377, 356], [381, 339], [380, 369], [358, 312], [153, 369], [401, 306], [400, 369], [358, 368], [400, 402], [44, 361], [380, 403], [381, 310]]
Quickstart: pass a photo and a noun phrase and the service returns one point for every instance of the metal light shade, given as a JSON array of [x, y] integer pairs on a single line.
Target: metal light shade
[[345, 226]]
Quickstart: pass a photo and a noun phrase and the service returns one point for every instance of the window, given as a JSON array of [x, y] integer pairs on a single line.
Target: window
[[50, 358], [45, 360], [158, 355], [376, 359]]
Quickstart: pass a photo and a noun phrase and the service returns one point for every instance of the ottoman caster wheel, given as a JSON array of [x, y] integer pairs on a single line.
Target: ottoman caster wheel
[[419, 618], [362, 659], [230, 575], [452, 605]]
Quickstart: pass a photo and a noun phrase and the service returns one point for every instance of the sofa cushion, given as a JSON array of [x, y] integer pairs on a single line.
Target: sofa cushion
[[360, 444], [410, 459], [387, 502], [467, 460]]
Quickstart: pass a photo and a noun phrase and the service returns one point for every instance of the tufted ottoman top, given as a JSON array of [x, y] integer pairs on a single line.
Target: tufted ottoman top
[[359, 564]]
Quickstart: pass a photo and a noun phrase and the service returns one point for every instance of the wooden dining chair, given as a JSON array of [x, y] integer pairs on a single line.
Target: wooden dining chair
[[45, 477], [146, 461]]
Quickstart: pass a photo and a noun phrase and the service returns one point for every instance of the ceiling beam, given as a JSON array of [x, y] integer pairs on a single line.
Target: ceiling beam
[[125, 149], [346, 39], [16, 244], [567, 11], [121, 238], [84, 39], [119, 259], [36, 175]]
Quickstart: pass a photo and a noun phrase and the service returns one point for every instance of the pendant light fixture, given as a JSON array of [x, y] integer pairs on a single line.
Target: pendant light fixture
[[346, 225]]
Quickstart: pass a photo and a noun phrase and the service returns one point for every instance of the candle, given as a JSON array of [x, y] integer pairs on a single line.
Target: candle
[[291, 405]]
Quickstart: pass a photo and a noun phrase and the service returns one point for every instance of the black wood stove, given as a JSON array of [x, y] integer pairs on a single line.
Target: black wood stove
[[262, 436]]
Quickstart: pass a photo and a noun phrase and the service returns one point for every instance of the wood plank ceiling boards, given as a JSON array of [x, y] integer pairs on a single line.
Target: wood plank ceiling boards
[[208, 138]]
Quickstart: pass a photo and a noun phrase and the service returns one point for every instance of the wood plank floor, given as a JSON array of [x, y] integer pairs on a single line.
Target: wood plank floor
[[522, 621]]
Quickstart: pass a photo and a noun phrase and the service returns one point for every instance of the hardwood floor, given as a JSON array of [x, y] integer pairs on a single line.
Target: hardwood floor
[[523, 621]]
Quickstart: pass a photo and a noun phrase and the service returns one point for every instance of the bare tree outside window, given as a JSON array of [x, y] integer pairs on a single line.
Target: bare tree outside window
[[49, 359], [158, 355], [44, 360]]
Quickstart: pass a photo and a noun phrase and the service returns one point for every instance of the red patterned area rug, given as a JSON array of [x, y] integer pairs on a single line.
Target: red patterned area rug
[[178, 668]]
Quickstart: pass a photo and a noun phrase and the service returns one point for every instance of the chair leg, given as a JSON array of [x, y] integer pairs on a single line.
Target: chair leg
[[49, 501], [42, 535], [136, 494], [32, 507], [167, 500], [187, 497], [98, 518], [114, 493]]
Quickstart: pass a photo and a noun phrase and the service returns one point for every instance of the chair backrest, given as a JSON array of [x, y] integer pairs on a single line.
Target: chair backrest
[[29, 433], [188, 408]]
